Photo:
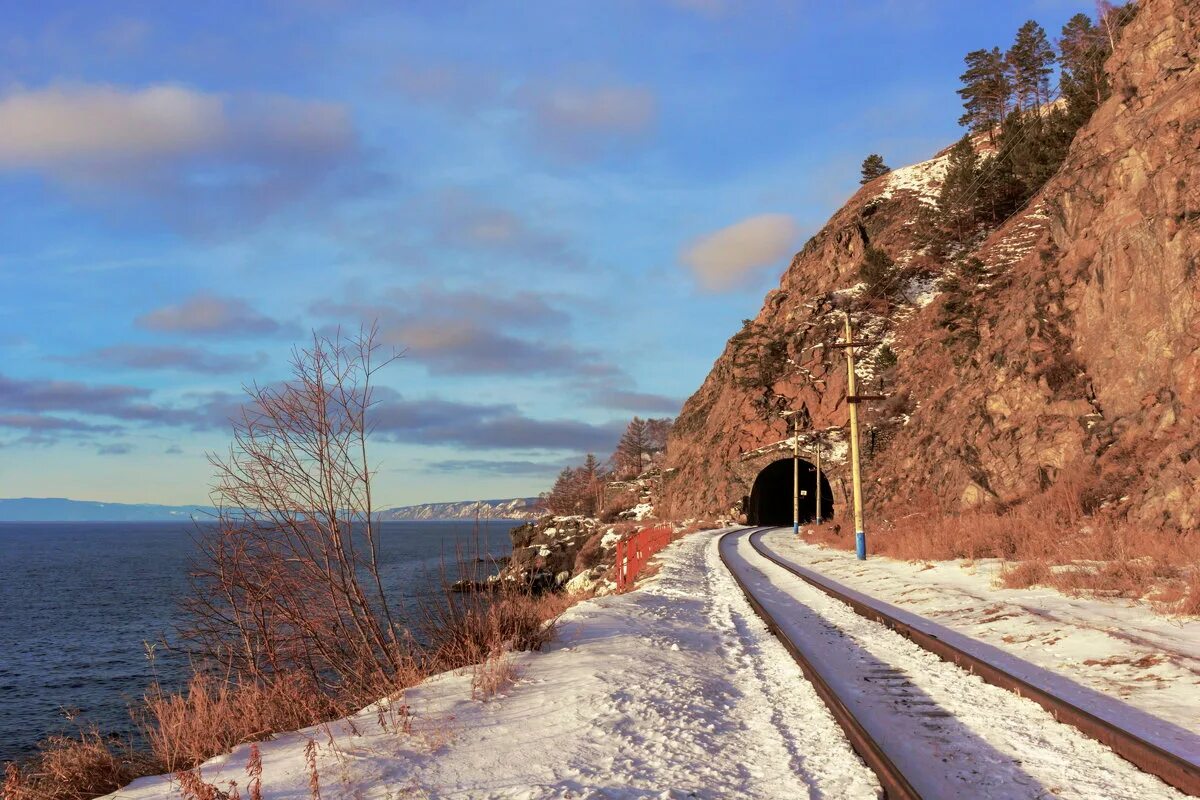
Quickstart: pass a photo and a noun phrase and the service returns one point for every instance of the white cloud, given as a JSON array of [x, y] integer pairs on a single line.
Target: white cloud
[[62, 125], [201, 160], [210, 315], [726, 258]]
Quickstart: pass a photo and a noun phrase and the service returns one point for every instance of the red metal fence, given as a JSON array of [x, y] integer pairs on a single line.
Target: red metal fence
[[634, 552]]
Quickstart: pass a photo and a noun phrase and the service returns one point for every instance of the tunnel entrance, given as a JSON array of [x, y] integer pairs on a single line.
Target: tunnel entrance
[[770, 501]]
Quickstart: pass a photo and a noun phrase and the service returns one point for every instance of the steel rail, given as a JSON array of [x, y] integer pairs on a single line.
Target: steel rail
[[1172, 769], [895, 785]]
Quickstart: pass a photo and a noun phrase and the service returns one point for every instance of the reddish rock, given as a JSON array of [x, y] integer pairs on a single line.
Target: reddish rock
[[1080, 354]]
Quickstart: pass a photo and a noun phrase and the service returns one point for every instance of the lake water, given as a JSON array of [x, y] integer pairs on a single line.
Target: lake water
[[79, 600]]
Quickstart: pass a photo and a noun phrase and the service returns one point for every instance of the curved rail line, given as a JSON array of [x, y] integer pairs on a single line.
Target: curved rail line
[[1169, 767]]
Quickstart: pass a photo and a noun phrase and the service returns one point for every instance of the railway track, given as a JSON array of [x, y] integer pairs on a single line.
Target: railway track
[[912, 721]]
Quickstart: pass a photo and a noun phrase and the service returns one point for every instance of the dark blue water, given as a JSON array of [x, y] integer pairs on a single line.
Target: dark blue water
[[79, 601]]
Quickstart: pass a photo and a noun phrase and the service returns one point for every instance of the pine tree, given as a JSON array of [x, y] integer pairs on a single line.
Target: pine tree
[[591, 486], [986, 91], [878, 271], [873, 167], [632, 449], [958, 201], [1030, 63], [1083, 49]]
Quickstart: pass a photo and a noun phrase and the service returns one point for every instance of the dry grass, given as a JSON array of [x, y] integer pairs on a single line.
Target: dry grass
[[75, 768], [468, 628], [1048, 541], [494, 675], [213, 716]]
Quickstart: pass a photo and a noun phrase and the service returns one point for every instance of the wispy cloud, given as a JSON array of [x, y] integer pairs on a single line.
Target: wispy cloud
[[436, 421], [185, 359], [533, 469], [202, 159], [468, 332], [643, 402], [586, 121], [205, 314], [727, 258]]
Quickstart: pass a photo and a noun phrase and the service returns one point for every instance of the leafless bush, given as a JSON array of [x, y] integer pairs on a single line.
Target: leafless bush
[[289, 581]]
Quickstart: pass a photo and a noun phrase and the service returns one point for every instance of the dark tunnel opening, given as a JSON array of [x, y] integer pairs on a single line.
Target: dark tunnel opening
[[770, 501]]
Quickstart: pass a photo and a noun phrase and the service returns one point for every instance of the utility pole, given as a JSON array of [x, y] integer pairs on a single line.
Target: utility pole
[[817, 440], [853, 399], [795, 415], [860, 534], [795, 474]]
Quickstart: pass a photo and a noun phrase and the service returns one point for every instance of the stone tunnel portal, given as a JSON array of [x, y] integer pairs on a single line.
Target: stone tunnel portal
[[770, 501]]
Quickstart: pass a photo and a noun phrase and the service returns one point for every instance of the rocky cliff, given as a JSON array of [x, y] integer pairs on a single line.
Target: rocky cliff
[[1068, 347]]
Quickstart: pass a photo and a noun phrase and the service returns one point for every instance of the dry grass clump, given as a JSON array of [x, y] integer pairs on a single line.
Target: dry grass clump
[[75, 768], [213, 716], [470, 627]]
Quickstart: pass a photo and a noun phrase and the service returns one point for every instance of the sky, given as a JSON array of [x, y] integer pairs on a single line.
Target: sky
[[556, 211]]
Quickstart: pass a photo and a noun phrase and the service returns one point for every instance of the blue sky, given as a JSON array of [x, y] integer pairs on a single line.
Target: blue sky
[[560, 209]]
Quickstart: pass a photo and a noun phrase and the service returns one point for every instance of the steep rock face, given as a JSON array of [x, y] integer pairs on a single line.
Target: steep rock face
[[1073, 350]]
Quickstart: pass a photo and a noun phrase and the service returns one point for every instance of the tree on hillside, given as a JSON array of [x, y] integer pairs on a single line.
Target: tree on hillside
[[640, 446], [1030, 63], [1082, 51], [878, 271], [986, 91], [958, 200], [657, 431], [873, 167], [578, 490], [632, 450]]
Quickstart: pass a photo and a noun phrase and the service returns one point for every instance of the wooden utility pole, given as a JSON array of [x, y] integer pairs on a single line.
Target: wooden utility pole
[[860, 534], [795, 473], [853, 399], [795, 415], [817, 440]]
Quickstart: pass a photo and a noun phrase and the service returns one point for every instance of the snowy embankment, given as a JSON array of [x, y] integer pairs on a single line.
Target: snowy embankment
[[1117, 647], [948, 732], [674, 690]]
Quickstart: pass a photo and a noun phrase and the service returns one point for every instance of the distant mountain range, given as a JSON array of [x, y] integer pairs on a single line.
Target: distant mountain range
[[60, 509], [512, 508]]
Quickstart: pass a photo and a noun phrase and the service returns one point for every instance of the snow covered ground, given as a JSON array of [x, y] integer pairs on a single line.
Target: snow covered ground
[[1117, 647], [676, 690]]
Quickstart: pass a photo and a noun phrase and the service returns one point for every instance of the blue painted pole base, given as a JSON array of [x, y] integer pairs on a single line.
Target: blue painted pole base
[[796, 528], [860, 545]]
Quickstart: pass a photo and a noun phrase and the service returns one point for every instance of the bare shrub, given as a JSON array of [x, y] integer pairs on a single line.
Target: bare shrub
[[289, 581]]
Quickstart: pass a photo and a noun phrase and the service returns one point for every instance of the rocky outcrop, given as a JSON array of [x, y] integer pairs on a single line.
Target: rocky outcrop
[[544, 551], [1070, 346]]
